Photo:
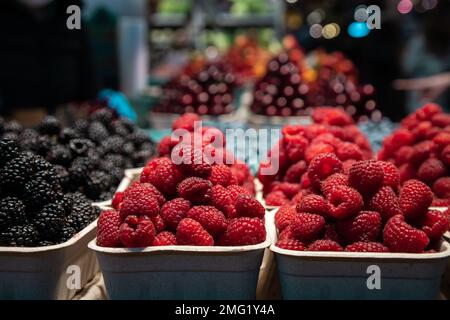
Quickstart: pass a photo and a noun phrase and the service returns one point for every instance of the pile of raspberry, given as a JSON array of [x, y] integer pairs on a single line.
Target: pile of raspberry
[[420, 148], [197, 203], [363, 210], [333, 131]]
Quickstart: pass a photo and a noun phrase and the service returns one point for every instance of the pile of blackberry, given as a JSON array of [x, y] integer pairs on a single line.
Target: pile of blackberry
[[34, 210], [89, 157]]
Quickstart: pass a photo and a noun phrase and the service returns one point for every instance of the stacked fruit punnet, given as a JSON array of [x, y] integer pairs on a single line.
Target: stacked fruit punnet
[[196, 202], [421, 150], [363, 210], [333, 132]]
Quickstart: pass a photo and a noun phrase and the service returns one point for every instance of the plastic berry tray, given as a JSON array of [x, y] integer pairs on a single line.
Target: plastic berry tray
[[182, 272], [345, 275], [48, 273]]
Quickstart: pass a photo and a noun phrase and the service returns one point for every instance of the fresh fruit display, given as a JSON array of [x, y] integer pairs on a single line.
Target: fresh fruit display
[[89, 157], [420, 148], [205, 92], [169, 7], [34, 210], [333, 132], [361, 210]]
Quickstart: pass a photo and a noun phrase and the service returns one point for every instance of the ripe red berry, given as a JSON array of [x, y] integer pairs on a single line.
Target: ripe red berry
[[191, 232], [314, 203], [366, 176], [415, 198], [244, 231], [158, 222], [220, 174], [325, 245], [295, 172], [399, 236], [284, 216], [295, 147], [211, 219], [174, 211], [435, 224], [289, 189], [194, 189], [138, 188], [391, 175], [323, 166], [165, 238], [441, 187], [163, 174], [290, 244], [337, 179], [385, 202], [137, 232], [117, 200], [186, 122], [345, 202], [247, 206], [286, 233], [139, 205], [276, 198], [366, 247], [366, 226], [220, 198], [431, 170], [348, 150], [108, 229], [307, 227], [236, 190]]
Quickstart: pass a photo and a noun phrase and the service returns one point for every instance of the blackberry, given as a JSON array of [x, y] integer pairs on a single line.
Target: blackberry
[[45, 243], [50, 221], [62, 176], [48, 176], [13, 126], [139, 137], [119, 129], [19, 236], [12, 211], [140, 158], [38, 193], [113, 144], [116, 159], [66, 202], [8, 150], [42, 145], [107, 195], [82, 215], [128, 149], [59, 155], [16, 172], [104, 116], [96, 183], [81, 126], [28, 134], [49, 126], [11, 136], [68, 134], [80, 147], [114, 172], [66, 233], [97, 132], [128, 124], [80, 169]]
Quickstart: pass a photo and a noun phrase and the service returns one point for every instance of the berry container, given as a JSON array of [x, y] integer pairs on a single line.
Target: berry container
[[182, 272], [348, 275], [48, 273], [260, 197], [447, 234]]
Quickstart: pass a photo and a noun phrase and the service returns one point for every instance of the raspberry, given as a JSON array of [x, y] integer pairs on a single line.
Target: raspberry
[[186, 122], [295, 172], [292, 130], [403, 155], [401, 237], [440, 202], [244, 231], [284, 216], [276, 198], [210, 218], [441, 187], [348, 150], [117, 200], [108, 229], [407, 172], [325, 245], [286, 233], [307, 227], [314, 204], [247, 206], [220, 198], [428, 111], [366, 226], [431, 170], [289, 189], [347, 164], [174, 211], [220, 174], [337, 179], [366, 176], [441, 120], [315, 130], [191, 232], [385, 202], [139, 205], [236, 190], [136, 232], [331, 116], [305, 182], [435, 224], [345, 202], [442, 139], [415, 198], [445, 156], [297, 198], [194, 189], [317, 149], [323, 166], [421, 131], [366, 247], [391, 175], [158, 222], [295, 147], [332, 234], [165, 238], [144, 188], [192, 159], [165, 146], [290, 244], [163, 174], [421, 152]]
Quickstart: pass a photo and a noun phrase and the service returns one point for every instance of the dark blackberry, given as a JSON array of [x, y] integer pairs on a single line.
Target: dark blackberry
[[19, 236], [13, 126], [11, 136], [139, 137], [68, 134], [80, 147], [62, 176], [80, 169], [96, 183], [128, 124], [81, 126], [114, 172], [49, 126], [66, 233], [45, 243], [28, 134], [116, 159], [107, 195], [140, 158], [59, 155], [42, 145], [82, 215], [16, 172], [104, 116], [12, 211], [97, 132], [66, 202], [50, 221], [8, 150], [112, 144], [38, 193], [37, 163], [119, 129], [128, 149]]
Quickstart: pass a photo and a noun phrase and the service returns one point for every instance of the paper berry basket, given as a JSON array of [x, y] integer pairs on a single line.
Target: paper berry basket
[[350, 275], [182, 272]]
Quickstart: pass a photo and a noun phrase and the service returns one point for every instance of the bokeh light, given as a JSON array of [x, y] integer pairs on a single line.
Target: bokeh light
[[331, 31], [405, 6], [429, 4], [358, 29], [361, 13], [315, 31]]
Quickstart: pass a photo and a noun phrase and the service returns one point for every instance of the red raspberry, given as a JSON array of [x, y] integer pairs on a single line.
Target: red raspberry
[[422, 151], [165, 238], [241, 172], [332, 234], [317, 149], [117, 200], [292, 130], [297, 198], [192, 160], [165, 146], [348, 150], [305, 182], [174, 211], [325, 245], [314, 203], [191, 232], [315, 130], [431, 170], [186, 122], [247, 206], [286, 233], [346, 202], [442, 187], [158, 222], [221, 198], [366, 226], [194, 189], [409, 121], [210, 218], [220, 174], [366, 176], [401, 137], [138, 188], [139, 205], [415, 198], [307, 227], [244, 231], [295, 147], [385, 202], [391, 175], [441, 120], [323, 166], [276, 198], [435, 224], [347, 164], [428, 111], [331, 116], [290, 244], [236, 190], [295, 172], [421, 131], [284, 216], [403, 155], [407, 172], [289, 189], [108, 229], [401, 237], [445, 156], [337, 179], [440, 202], [366, 247], [163, 174], [442, 139], [327, 138], [137, 232]]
